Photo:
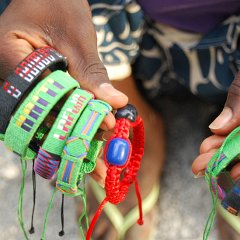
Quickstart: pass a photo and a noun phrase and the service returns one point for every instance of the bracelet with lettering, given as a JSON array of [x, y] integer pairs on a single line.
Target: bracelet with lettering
[[73, 163], [49, 155], [24, 78], [34, 110]]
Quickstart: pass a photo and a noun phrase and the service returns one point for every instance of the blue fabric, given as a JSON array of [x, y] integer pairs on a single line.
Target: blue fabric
[[206, 69], [3, 5], [112, 18], [190, 15]]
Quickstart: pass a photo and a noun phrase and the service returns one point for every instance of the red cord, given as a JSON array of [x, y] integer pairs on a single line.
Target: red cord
[[140, 220], [95, 218], [117, 188]]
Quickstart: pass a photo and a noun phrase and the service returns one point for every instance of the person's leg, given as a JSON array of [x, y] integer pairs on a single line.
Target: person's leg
[[148, 176], [226, 231], [117, 50], [152, 162]]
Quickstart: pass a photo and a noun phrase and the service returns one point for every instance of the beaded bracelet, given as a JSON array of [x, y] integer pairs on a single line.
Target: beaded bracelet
[[25, 77], [33, 111], [72, 164], [122, 159], [49, 155]]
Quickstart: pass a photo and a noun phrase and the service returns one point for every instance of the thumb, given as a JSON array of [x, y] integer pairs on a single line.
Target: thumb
[[86, 67], [229, 118], [79, 44]]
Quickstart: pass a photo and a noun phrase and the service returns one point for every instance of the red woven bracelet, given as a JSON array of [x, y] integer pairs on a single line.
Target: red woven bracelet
[[122, 156]]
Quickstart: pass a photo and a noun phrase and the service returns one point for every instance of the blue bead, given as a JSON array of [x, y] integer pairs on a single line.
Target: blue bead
[[118, 152]]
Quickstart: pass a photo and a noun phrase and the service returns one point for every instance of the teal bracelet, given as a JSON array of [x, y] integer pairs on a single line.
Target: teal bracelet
[[72, 164], [49, 155], [34, 110]]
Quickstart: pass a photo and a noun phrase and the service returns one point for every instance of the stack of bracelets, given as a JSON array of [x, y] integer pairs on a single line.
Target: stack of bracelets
[[221, 186], [66, 149]]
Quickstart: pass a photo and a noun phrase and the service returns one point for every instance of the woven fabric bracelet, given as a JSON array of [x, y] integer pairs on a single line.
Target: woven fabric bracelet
[[77, 146], [122, 159], [226, 155], [49, 155], [89, 163], [34, 110], [24, 77]]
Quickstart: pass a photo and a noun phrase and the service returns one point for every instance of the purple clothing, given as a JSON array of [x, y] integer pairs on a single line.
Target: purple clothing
[[190, 15]]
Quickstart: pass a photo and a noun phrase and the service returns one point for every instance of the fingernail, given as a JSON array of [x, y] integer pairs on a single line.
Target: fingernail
[[200, 174], [104, 127], [222, 119], [110, 90], [101, 184]]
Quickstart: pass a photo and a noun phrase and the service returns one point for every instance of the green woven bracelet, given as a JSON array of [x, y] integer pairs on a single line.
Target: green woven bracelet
[[49, 155], [227, 154], [89, 162], [72, 165], [33, 111]]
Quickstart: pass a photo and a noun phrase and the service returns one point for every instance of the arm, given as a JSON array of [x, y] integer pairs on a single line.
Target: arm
[[67, 27]]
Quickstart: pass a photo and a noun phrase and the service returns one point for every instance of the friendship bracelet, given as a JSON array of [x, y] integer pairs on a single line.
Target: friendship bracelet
[[33, 111], [89, 163], [24, 77], [226, 156], [72, 164], [49, 155], [122, 159]]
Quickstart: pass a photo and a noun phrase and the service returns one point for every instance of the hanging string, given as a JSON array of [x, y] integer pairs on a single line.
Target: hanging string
[[95, 218], [140, 220], [61, 233], [32, 230], [20, 199], [212, 214], [84, 211], [47, 214], [213, 184]]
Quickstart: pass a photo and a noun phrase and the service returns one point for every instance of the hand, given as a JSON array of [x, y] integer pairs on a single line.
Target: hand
[[67, 27], [228, 119]]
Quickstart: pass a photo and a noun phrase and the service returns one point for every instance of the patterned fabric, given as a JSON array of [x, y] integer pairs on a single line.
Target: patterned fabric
[[175, 62], [204, 65], [118, 25], [168, 61]]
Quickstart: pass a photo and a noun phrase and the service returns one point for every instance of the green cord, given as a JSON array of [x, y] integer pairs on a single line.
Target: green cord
[[47, 214], [20, 198], [215, 167], [84, 212]]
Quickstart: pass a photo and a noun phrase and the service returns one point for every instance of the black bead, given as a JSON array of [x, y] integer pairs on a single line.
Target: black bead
[[129, 112]]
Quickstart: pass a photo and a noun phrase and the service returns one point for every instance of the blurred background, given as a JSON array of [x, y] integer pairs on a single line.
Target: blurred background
[[184, 202]]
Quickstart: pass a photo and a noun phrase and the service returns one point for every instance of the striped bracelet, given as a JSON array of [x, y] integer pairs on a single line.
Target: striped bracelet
[[25, 77], [72, 164], [49, 155], [33, 111]]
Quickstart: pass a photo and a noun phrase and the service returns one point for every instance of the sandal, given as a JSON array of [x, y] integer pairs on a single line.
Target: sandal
[[123, 223], [229, 224]]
